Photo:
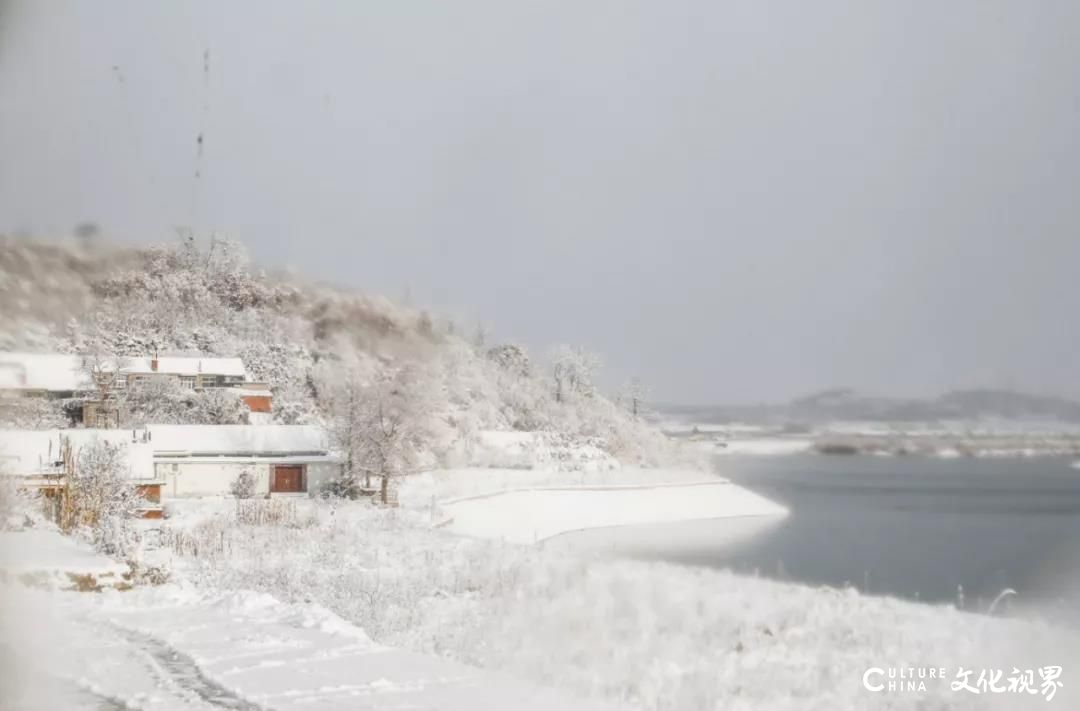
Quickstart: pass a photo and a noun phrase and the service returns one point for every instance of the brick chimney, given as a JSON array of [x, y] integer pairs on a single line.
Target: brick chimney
[[153, 363]]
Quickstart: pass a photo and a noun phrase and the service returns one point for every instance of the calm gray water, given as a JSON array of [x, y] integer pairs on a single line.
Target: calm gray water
[[911, 527], [918, 527]]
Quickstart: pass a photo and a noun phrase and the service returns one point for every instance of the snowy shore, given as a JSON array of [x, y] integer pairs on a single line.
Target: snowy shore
[[530, 515]]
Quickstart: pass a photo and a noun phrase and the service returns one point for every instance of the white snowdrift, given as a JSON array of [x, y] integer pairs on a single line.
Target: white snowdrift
[[45, 552], [532, 515], [419, 490]]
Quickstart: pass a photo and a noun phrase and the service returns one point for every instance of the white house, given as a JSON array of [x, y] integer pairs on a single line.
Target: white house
[[200, 460], [193, 372], [184, 460], [37, 458], [59, 376]]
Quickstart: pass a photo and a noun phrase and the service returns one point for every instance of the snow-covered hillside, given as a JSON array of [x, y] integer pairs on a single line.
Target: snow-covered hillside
[[310, 342]]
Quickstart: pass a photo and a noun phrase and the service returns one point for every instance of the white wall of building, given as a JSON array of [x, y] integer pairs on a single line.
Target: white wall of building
[[318, 473], [186, 477]]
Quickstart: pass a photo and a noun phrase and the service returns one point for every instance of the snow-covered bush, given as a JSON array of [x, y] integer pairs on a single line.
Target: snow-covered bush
[[32, 413], [243, 486], [155, 401], [217, 406], [270, 512], [165, 401], [341, 487], [101, 502]]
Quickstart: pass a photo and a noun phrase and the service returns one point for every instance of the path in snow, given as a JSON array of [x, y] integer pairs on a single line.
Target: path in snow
[[170, 648], [181, 672]]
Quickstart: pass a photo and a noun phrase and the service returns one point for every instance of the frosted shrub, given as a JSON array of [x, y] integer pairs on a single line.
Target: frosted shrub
[[269, 512], [243, 486], [342, 487], [33, 413], [102, 501], [165, 401], [207, 539]]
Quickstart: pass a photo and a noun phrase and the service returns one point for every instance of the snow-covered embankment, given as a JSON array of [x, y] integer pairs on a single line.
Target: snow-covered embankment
[[530, 515]]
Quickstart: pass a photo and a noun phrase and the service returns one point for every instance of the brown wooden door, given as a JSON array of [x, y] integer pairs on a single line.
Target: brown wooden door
[[288, 479]]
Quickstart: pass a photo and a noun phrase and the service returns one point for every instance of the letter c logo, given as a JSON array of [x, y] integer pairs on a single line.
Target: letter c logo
[[866, 679]]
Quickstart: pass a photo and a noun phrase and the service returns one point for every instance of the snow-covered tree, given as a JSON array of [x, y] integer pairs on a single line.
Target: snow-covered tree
[[512, 358], [103, 370], [572, 372], [381, 423], [394, 426], [634, 396], [343, 388]]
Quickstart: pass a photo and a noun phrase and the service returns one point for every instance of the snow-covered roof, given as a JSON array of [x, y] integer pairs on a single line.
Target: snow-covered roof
[[237, 440], [186, 365], [35, 452], [64, 373], [252, 392], [43, 371]]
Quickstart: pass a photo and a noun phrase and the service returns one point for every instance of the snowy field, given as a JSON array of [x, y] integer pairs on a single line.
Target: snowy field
[[631, 633], [345, 605], [178, 647]]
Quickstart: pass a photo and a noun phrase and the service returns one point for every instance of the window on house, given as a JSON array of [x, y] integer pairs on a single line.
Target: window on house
[[187, 381]]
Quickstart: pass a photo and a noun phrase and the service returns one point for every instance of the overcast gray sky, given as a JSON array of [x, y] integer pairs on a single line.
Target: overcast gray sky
[[739, 201]]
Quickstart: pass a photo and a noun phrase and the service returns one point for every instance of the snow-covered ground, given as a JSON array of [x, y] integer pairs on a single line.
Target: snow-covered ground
[[535, 514], [51, 558], [641, 634], [271, 617], [438, 485], [175, 647]]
